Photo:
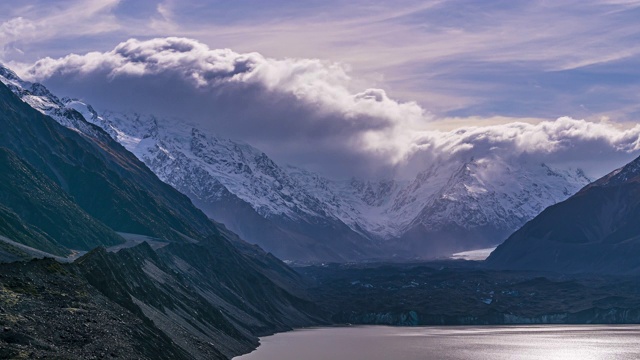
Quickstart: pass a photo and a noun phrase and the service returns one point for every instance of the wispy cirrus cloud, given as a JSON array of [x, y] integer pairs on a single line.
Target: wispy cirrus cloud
[[32, 28], [457, 58]]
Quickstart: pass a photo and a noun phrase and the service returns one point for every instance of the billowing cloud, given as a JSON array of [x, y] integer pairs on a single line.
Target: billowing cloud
[[458, 58], [306, 111], [595, 147], [288, 106]]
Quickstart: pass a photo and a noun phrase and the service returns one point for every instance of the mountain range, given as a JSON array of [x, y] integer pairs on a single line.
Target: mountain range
[[299, 215], [201, 293], [126, 204]]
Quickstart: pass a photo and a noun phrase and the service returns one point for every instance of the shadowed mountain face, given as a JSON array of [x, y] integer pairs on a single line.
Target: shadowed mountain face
[[597, 230], [198, 297], [239, 287], [104, 179], [56, 221], [137, 280], [195, 304]]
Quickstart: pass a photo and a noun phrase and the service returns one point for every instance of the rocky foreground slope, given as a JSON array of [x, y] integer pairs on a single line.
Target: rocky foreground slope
[[139, 304], [48, 310]]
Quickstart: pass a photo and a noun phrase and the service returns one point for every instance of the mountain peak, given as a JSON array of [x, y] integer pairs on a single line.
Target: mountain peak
[[8, 73], [628, 173]]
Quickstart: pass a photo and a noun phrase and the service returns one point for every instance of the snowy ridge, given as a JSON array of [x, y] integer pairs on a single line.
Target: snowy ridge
[[64, 111], [486, 192], [629, 172], [470, 194], [505, 195], [174, 152]]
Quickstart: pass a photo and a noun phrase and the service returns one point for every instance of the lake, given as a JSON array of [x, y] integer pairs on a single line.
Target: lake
[[567, 342]]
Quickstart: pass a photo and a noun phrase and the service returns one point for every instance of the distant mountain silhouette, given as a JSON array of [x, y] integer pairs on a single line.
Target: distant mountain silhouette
[[595, 231]]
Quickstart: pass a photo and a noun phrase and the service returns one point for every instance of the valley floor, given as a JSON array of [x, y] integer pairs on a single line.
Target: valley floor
[[463, 293], [49, 309]]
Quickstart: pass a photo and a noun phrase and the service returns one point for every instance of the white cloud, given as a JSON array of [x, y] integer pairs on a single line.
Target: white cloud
[[306, 110], [459, 58], [559, 139], [33, 24], [15, 27]]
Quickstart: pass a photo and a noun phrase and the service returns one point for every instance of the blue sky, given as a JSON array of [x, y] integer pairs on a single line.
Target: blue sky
[[464, 63]]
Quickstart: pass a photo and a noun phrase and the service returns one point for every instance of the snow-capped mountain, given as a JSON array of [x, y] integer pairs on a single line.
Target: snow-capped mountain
[[491, 196], [64, 111], [299, 215], [450, 206]]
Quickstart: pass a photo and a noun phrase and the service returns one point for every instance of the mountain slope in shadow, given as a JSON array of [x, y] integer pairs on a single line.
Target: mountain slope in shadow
[[595, 231]]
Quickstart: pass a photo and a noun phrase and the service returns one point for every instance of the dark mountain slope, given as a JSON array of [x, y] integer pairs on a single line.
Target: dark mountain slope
[[55, 220], [200, 296], [139, 304], [138, 280], [596, 230], [208, 298], [49, 310], [306, 239], [14, 228], [218, 274], [107, 181]]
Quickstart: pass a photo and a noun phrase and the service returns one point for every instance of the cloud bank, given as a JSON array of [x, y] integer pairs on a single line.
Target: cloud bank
[[595, 147], [306, 111], [458, 58]]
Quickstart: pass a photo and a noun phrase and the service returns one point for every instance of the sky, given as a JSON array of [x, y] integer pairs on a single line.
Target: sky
[[366, 88]]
